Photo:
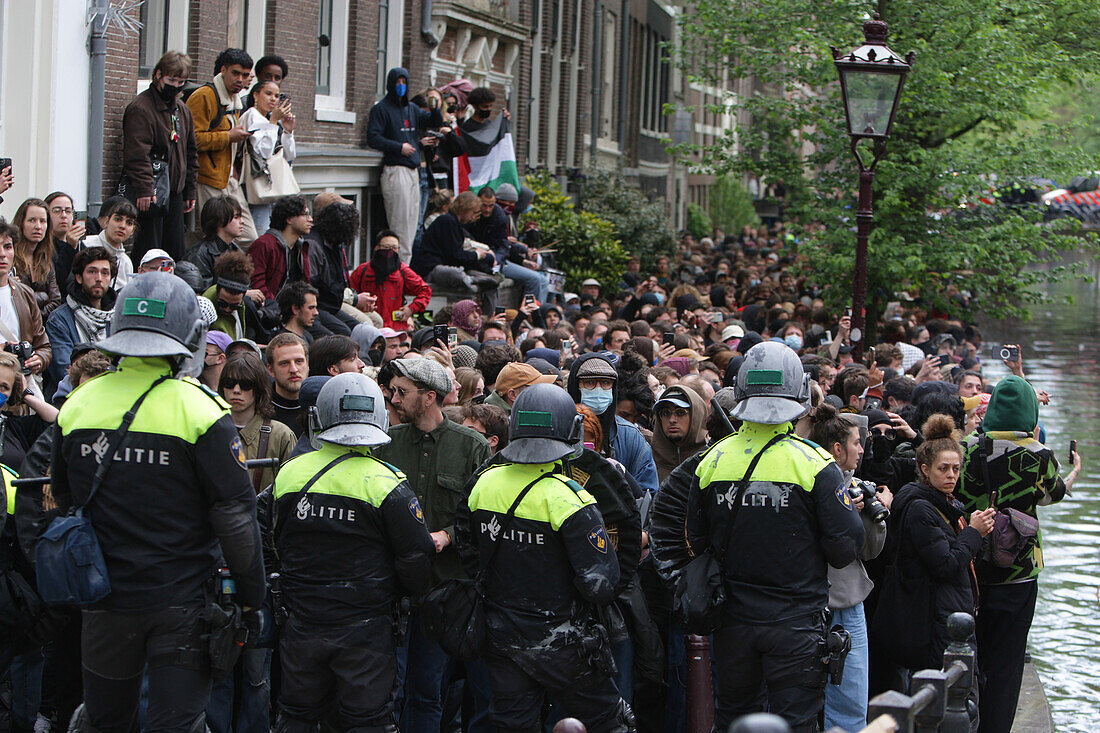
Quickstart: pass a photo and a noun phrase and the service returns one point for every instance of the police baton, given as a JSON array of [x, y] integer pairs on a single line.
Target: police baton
[[39, 481], [722, 414], [271, 463], [36, 481]]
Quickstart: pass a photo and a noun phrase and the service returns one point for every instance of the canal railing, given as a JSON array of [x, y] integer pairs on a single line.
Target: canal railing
[[938, 701]]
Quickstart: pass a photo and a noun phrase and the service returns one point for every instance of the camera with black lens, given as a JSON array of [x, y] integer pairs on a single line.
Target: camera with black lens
[[869, 493], [23, 351]]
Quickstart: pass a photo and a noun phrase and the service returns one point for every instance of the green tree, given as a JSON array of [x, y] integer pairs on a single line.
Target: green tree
[[698, 221], [731, 205], [641, 225], [974, 117], [586, 244]]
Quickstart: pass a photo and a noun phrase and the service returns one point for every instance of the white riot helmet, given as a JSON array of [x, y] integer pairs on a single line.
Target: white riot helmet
[[772, 387], [352, 411]]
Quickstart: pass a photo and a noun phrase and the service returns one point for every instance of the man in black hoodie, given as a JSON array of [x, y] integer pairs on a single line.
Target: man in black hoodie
[[394, 128]]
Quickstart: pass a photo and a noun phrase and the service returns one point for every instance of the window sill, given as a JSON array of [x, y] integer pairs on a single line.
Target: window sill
[[331, 109]]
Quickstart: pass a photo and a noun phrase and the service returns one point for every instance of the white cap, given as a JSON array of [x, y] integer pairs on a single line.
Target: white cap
[[591, 281], [155, 254]]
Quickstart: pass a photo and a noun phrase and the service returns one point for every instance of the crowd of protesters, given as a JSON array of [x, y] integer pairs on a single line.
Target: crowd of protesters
[[650, 360]]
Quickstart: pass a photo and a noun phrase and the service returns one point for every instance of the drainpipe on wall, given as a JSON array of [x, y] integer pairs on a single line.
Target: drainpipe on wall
[[97, 49], [597, 82], [426, 24]]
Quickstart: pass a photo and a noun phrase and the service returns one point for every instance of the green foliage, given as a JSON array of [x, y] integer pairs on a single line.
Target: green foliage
[[698, 221], [731, 205], [641, 225], [974, 116], [586, 244]]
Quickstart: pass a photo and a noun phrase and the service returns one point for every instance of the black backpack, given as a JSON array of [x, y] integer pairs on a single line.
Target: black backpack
[[191, 88]]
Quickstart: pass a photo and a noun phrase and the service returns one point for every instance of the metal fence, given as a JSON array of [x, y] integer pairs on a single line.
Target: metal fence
[[938, 701]]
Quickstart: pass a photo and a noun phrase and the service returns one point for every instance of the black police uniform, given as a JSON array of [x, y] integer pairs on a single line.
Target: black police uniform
[[176, 497], [348, 549], [793, 519], [556, 562]]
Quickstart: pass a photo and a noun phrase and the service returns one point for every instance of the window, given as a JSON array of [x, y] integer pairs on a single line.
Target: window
[[655, 83], [163, 28], [388, 55], [247, 25], [609, 63], [154, 35], [332, 63], [324, 49]]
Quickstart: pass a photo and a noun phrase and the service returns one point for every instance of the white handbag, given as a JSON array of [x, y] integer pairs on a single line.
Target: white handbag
[[264, 186]]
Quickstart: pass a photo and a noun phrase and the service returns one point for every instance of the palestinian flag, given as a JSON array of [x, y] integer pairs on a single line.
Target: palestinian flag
[[491, 159]]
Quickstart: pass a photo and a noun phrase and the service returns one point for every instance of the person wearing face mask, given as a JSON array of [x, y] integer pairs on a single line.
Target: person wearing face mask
[[389, 280], [395, 128], [593, 381], [791, 335], [157, 124]]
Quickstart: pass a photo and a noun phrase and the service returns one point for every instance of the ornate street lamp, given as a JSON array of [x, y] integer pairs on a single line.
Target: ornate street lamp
[[871, 80]]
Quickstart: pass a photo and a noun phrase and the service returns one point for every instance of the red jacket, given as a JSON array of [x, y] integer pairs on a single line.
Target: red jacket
[[269, 258], [391, 294]]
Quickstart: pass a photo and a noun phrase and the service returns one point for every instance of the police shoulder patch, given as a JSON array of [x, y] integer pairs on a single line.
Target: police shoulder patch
[[598, 538], [236, 449], [844, 497], [415, 510]]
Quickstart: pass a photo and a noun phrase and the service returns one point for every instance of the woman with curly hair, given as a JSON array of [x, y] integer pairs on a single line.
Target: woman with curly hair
[[335, 226]]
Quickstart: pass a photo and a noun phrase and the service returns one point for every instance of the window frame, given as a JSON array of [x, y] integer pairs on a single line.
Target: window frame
[[330, 105]]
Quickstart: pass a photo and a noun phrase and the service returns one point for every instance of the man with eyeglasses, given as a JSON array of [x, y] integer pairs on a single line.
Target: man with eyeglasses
[[157, 260], [594, 381], [157, 125], [679, 432], [438, 457]]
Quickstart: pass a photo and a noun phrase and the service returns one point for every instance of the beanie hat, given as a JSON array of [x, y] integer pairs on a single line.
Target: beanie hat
[[1013, 406]]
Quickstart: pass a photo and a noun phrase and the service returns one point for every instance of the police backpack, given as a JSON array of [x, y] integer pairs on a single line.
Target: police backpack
[[69, 563]]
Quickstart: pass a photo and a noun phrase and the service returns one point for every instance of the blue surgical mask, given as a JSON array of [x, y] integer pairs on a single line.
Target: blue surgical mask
[[3, 399], [400, 89], [794, 341], [598, 398]]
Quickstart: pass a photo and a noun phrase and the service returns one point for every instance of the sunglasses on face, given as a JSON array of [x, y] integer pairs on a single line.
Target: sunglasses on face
[[673, 412], [246, 385]]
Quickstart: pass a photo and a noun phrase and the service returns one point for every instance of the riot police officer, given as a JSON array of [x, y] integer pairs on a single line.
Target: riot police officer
[[773, 533], [176, 489], [351, 541], [546, 567]]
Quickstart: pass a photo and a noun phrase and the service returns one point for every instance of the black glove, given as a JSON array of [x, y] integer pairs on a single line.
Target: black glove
[[253, 623]]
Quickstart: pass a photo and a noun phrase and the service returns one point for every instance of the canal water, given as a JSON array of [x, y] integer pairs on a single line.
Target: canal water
[[1061, 348]]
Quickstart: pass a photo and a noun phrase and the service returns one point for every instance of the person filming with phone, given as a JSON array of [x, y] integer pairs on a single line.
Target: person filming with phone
[[1008, 469]]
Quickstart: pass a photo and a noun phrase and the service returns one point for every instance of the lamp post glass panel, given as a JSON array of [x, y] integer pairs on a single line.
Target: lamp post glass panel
[[871, 80]]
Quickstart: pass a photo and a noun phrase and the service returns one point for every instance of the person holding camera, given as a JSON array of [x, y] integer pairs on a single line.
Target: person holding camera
[[846, 704]]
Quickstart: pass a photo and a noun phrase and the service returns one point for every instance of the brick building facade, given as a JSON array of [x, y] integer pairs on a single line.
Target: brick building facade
[[585, 81]]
